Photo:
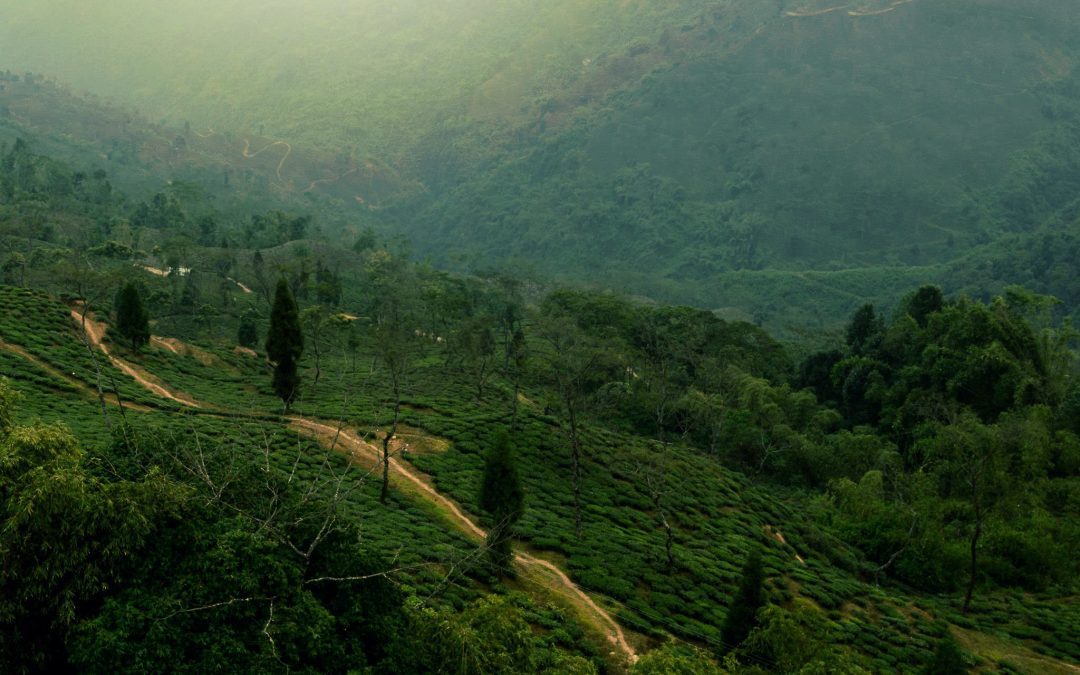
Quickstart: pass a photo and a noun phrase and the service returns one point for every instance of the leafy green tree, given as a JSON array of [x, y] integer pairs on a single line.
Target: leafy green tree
[[66, 538], [490, 636], [248, 333], [14, 269], [742, 613], [396, 346], [285, 344], [865, 330], [970, 462], [189, 294], [926, 301], [478, 347], [798, 640], [132, 320], [503, 498]]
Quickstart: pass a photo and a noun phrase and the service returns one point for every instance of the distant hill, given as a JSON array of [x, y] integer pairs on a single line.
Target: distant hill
[[785, 160]]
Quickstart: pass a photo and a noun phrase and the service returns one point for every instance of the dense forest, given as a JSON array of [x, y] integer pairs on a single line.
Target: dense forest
[[778, 161], [605, 337]]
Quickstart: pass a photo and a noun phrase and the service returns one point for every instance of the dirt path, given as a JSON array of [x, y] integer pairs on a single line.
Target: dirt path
[[320, 181], [288, 151], [156, 271], [95, 332], [246, 289], [805, 13], [359, 448], [779, 536], [83, 387]]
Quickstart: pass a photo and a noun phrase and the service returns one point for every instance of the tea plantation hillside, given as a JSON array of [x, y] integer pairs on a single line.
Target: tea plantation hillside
[[628, 482]]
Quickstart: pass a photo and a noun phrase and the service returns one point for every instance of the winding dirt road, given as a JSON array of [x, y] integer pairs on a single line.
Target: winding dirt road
[[591, 612], [322, 181], [83, 387], [95, 332], [248, 154]]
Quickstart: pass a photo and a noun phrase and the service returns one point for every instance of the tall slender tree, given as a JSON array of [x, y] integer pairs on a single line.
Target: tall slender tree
[[285, 344], [132, 320], [742, 614], [503, 498]]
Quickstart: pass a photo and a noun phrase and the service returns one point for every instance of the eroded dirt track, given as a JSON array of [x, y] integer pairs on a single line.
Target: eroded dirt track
[[95, 332]]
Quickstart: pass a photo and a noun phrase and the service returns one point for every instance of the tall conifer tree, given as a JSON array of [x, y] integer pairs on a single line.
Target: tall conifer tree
[[742, 614], [132, 320], [285, 344], [503, 498]]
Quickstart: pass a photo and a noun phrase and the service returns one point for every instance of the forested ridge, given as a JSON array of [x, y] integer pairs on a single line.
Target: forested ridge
[[780, 161]]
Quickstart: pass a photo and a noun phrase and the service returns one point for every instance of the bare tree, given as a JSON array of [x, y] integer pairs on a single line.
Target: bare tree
[[578, 367]]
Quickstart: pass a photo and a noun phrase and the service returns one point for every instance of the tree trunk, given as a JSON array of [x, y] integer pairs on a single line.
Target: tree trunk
[[97, 370], [669, 544], [480, 381], [575, 455], [514, 404], [974, 558], [385, 493]]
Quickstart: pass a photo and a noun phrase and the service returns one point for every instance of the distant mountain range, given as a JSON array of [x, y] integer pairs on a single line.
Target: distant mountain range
[[783, 161]]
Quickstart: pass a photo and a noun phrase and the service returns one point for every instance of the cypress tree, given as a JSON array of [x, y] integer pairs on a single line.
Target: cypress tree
[[503, 498], [742, 614], [132, 320], [285, 344]]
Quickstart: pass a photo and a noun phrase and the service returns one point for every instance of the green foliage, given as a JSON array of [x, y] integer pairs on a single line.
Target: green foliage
[[948, 659], [52, 575], [798, 641], [675, 658]]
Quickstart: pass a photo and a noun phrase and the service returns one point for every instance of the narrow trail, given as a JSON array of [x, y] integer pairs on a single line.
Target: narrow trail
[[358, 448], [246, 289], [818, 12], [83, 387], [249, 155], [311, 186], [779, 536], [95, 331]]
